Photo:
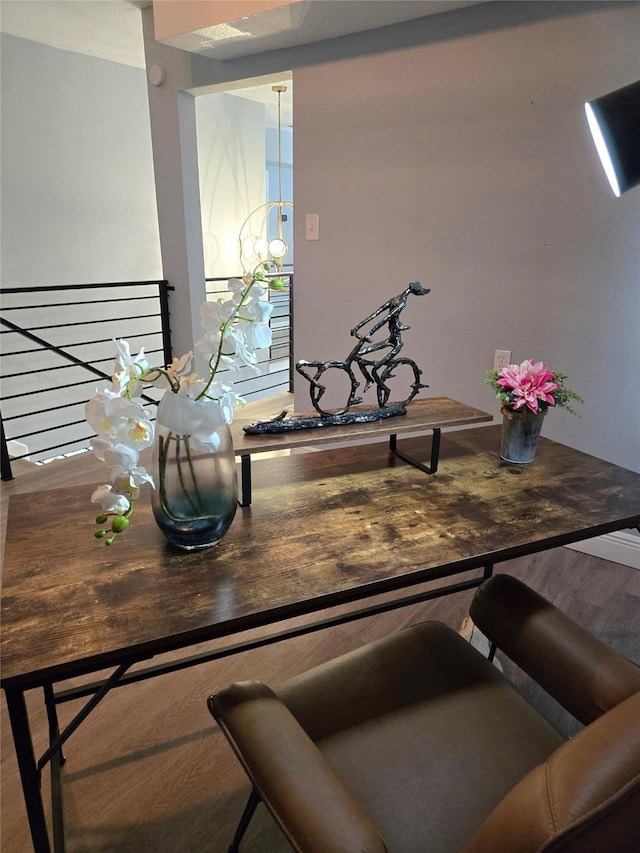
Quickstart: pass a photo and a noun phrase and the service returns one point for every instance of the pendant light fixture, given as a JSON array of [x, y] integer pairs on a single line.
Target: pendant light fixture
[[261, 236]]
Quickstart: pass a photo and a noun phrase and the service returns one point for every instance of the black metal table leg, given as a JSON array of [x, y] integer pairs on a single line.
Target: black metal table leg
[[52, 716], [57, 760], [435, 453], [29, 774], [245, 470], [83, 713]]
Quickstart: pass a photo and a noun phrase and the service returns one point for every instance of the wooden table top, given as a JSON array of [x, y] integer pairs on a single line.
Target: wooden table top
[[422, 415], [326, 528]]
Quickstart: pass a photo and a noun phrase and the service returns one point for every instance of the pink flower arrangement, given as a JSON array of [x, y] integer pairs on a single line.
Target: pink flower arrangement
[[531, 386], [528, 383]]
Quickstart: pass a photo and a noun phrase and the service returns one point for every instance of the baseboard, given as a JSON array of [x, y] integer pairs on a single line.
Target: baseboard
[[620, 547]]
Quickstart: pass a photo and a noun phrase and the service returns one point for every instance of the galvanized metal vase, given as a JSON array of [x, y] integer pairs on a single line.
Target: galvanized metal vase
[[520, 433], [196, 493]]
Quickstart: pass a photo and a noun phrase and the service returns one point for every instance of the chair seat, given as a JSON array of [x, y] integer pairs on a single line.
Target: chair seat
[[417, 743], [406, 721]]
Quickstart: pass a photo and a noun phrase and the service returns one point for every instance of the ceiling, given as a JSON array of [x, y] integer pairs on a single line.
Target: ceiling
[[112, 29], [300, 22], [107, 29]]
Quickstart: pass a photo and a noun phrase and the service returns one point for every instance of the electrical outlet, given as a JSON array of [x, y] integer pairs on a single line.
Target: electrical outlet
[[501, 358]]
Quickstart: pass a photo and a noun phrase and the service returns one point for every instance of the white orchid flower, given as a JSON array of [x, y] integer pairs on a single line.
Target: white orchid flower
[[194, 408], [191, 385], [213, 315], [114, 415], [99, 409], [109, 500], [244, 353], [122, 462], [227, 400], [198, 419], [229, 363], [258, 310], [205, 442], [209, 343], [120, 419], [236, 285], [140, 431], [232, 335], [258, 336], [130, 481], [179, 366], [183, 416], [126, 367], [118, 457]]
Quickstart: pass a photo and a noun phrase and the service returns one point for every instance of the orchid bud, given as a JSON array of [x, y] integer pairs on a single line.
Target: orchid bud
[[277, 284], [102, 518], [119, 524]]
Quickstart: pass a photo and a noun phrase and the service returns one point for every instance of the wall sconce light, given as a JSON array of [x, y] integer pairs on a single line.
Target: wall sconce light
[[614, 121]]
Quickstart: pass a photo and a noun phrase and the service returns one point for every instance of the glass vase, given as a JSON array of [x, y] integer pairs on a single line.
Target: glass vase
[[196, 493]]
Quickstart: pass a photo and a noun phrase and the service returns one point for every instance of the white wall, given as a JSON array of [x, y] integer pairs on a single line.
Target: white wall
[[78, 206], [465, 162], [77, 193], [231, 166]]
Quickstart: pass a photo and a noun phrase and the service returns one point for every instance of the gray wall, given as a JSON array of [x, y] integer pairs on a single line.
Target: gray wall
[[77, 193], [78, 206], [464, 161]]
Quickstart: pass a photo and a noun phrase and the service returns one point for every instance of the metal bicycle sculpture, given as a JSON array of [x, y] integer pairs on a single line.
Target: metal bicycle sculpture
[[376, 371]]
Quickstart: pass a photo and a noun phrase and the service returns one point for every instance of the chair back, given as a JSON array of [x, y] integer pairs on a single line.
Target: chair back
[[583, 674], [585, 797]]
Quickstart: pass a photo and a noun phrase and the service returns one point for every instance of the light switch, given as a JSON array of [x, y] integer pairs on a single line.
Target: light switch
[[311, 226]]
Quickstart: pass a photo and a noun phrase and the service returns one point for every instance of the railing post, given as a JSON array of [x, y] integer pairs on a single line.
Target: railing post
[[5, 462], [291, 365], [163, 296]]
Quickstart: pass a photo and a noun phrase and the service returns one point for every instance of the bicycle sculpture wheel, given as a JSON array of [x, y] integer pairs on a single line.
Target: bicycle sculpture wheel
[[376, 360]]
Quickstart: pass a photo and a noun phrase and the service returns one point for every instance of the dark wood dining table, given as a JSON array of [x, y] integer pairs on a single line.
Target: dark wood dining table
[[343, 526]]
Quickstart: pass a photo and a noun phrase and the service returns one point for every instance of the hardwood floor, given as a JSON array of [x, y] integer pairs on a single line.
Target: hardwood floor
[[149, 771]]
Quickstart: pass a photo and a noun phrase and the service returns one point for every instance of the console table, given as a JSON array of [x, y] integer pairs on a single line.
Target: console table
[[340, 526]]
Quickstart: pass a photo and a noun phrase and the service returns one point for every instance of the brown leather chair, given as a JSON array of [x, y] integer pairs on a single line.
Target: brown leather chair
[[418, 743]]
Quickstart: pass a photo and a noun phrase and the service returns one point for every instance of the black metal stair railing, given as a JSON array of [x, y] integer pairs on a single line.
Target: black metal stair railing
[[68, 331], [45, 384]]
